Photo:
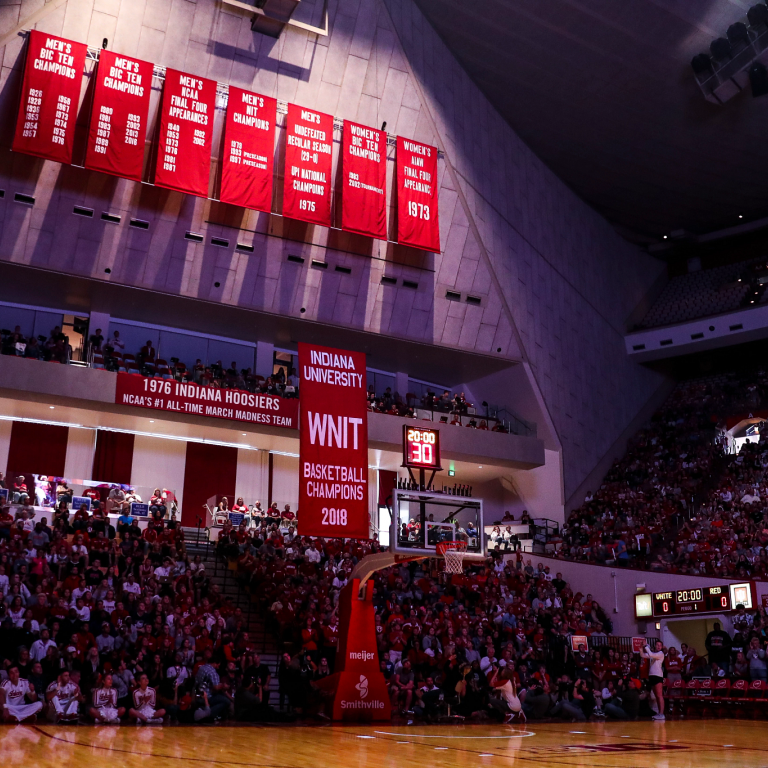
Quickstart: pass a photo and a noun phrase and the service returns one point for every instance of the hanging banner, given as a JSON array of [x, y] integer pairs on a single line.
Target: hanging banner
[[186, 133], [50, 94], [308, 166], [249, 147], [119, 116], [417, 223], [192, 399], [333, 443], [364, 168]]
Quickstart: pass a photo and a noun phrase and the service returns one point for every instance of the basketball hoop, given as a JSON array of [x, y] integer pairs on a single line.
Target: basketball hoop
[[452, 553]]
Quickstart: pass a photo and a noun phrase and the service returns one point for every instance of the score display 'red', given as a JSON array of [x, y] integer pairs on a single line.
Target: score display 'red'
[[421, 448], [683, 602]]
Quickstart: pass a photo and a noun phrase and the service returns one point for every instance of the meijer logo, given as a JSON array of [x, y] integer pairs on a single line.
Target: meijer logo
[[360, 655]]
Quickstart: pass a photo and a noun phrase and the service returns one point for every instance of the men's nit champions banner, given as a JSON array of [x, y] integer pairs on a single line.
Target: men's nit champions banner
[[175, 152], [119, 116], [50, 93], [333, 443]]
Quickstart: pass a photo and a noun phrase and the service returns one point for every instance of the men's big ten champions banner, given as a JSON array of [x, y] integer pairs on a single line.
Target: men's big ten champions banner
[[119, 116], [186, 133], [417, 223], [364, 168], [249, 148], [308, 166], [50, 93], [333, 439]]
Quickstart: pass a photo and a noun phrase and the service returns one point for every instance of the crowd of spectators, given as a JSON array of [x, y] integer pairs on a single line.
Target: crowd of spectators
[[53, 348], [678, 501]]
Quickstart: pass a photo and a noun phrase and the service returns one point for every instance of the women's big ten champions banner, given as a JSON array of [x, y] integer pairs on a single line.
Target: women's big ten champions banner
[[308, 166], [186, 133], [333, 437], [119, 113], [50, 94], [364, 167], [249, 148], [417, 223]]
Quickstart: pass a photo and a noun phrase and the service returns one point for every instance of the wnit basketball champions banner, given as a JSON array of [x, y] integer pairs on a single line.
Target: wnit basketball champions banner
[[417, 223], [119, 116], [333, 438], [50, 93], [186, 133], [364, 168], [249, 148]]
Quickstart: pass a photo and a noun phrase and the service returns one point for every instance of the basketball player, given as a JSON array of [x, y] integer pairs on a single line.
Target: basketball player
[[19, 698], [502, 680], [656, 674], [63, 698], [104, 700], [144, 700]]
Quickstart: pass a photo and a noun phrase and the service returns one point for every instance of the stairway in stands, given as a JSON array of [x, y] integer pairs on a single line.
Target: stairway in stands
[[264, 641]]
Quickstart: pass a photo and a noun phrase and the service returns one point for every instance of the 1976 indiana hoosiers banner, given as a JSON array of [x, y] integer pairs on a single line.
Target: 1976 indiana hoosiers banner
[[308, 165], [119, 116], [364, 167], [333, 436], [249, 148], [50, 94], [417, 223], [186, 133]]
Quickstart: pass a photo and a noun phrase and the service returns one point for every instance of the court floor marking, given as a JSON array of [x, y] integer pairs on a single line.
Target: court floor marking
[[513, 735]]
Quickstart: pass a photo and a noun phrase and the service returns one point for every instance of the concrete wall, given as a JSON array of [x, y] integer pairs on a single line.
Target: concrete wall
[[555, 282]]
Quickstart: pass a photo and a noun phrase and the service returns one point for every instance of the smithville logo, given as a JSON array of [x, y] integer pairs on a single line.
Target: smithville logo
[[362, 687], [360, 655]]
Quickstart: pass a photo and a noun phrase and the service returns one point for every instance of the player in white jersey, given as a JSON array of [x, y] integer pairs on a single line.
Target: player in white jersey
[[19, 698], [104, 701], [144, 701], [63, 697]]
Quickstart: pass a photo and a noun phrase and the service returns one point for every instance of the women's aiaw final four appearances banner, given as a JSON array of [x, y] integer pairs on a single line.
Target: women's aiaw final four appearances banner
[[50, 93], [417, 223], [186, 133], [119, 113], [333, 443]]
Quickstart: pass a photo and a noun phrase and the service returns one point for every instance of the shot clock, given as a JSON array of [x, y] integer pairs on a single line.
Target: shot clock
[[421, 448]]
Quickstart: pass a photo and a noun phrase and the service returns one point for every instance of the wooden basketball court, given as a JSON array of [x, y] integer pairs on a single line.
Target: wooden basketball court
[[696, 744]]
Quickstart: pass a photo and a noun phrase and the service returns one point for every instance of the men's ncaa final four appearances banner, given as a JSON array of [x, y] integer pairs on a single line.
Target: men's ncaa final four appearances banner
[[186, 133], [417, 223], [333, 440], [364, 168], [119, 116], [308, 166], [249, 147], [50, 93]]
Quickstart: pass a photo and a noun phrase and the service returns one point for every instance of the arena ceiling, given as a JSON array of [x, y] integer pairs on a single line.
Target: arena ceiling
[[603, 92]]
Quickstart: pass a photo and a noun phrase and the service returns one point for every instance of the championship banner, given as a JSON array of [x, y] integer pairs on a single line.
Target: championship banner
[[417, 223], [50, 94], [333, 443], [231, 404], [308, 166], [186, 133], [364, 167], [249, 148], [119, 116]]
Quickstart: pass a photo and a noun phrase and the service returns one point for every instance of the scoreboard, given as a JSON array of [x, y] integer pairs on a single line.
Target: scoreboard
[[421, 448], [684, 602]]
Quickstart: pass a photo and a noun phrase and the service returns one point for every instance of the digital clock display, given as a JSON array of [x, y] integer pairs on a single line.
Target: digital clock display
[[693, 600], [421, 448]]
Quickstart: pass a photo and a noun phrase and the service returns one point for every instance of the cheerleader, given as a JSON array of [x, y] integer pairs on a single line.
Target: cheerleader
[[104, 700], [19, 698], [63, 697], [144, 701]]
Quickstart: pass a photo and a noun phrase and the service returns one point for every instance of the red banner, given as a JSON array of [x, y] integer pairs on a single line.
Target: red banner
[[50, 94], [249, 148], [364, 165], [333, 452], [186, 132], [231, 404], [417, 223], [308, 166], [119, 116]]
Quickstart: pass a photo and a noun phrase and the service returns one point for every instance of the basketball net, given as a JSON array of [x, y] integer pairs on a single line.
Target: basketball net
[[452, 553]]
